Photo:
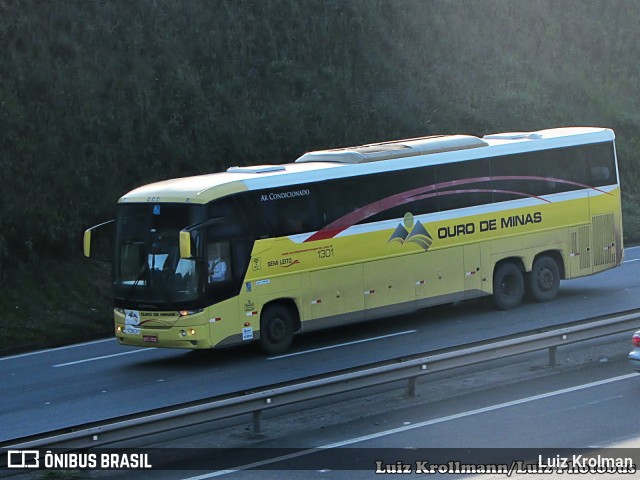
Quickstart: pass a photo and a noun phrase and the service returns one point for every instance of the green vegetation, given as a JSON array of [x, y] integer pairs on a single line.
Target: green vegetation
[[97, 97]]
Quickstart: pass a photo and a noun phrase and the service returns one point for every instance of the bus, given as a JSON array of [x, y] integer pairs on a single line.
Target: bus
[[260, 253]]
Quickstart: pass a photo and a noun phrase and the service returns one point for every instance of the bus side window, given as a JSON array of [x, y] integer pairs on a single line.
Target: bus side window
[[289, 216], [601, 165], [471, 192], [600, 174], [218, 262], [345, 196]]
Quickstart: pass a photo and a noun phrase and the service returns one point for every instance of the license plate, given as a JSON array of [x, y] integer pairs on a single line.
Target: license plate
[[150, 338]]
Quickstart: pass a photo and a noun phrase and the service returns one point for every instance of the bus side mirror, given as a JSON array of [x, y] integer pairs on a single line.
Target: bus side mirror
[[185, 245], [97, 241], [86, 243]]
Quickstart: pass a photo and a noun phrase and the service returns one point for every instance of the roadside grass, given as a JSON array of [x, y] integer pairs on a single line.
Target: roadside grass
[[49, 302]]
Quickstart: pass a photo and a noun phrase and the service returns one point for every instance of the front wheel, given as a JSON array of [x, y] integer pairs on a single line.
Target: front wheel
[[276, 329], [508, 286], [543, 282]]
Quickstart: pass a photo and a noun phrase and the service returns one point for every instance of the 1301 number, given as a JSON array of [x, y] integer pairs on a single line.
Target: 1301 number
[[326, 253]]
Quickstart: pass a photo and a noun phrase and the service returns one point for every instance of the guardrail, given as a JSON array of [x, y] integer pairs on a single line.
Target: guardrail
[[98, 434]]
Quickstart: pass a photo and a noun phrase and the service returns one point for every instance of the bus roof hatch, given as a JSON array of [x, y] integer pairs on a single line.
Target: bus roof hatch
[[390, 150]]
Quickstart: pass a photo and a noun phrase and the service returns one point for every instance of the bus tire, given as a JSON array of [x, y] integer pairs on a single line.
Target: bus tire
[[508, 286], [543, 282], [276, 329]]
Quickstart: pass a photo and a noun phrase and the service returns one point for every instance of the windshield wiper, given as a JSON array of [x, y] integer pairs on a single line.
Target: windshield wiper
[[143, 269]]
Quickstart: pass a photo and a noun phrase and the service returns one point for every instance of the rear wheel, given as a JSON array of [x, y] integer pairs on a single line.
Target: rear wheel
[[276, 329], [543, 282], [508, 286]]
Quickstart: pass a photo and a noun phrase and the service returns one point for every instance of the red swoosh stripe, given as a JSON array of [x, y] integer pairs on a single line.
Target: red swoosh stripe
[[362, 213]]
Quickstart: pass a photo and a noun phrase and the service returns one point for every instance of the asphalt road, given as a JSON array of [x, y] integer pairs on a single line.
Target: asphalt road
[[516, 410], [578, 410], [52, 389]]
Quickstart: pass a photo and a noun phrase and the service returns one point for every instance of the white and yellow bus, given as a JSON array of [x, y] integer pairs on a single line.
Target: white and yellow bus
[[353, 234]]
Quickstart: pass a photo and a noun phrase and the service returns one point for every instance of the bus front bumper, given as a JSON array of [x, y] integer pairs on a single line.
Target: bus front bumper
[[172, 337]]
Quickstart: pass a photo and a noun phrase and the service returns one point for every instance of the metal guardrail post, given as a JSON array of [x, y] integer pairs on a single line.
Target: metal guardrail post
[[257, 417], [411, 387], [552, 356]]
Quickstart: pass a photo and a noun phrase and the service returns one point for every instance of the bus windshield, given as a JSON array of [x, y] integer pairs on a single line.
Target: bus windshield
[[148, 268]]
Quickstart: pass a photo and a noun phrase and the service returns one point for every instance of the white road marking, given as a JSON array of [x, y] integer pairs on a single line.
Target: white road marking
[[93, 359], [341, 345], [48, 350], [632, 259], [414, 426]]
